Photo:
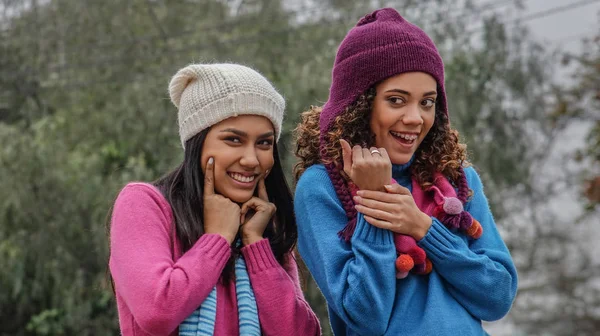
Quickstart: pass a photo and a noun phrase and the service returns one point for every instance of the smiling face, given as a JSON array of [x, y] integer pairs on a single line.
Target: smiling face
[[403, 113], [242, 148]]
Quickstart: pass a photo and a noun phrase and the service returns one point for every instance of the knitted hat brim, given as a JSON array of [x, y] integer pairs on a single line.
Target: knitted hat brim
[[245, 103]]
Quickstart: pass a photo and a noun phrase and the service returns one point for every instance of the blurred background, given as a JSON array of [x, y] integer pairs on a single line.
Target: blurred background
[[84, 109]]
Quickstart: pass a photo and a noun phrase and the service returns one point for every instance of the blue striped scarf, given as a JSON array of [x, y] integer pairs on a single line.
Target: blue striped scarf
[[202, 320]]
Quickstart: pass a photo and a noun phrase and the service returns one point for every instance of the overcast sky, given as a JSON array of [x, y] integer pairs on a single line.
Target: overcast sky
[[566, 27]]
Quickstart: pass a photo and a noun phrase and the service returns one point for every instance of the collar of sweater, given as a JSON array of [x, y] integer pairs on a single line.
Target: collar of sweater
[[401, 172]]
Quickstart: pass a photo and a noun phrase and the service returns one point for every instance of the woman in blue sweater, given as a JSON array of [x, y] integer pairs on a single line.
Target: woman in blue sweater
[[396, 230]]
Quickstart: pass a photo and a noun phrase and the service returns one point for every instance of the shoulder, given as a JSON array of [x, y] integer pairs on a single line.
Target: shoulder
[[314, 172], [314, 185], [315, 176], [473, 179], [133, 190], [314, 180], [478, 200], [139, 196], [141, 217]]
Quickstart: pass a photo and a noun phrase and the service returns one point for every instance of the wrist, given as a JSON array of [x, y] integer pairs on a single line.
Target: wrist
[[251, 238], [423, 227], [227, 237]]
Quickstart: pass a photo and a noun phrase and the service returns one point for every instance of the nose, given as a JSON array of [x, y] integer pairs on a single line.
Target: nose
[[412, 115], [249, 159]]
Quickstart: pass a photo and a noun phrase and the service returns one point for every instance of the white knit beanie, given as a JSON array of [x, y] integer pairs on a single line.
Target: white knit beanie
[[206, 94]]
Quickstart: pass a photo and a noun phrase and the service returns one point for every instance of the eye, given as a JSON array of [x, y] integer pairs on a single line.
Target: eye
[[428, 103], [265, 143], [233, 139], [396, 100]]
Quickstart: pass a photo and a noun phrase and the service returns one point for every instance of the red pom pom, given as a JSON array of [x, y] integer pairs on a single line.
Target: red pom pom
[[438, 212], [404, 263], [417, 254]]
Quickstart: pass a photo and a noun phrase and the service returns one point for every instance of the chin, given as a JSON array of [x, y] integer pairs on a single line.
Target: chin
[[400, 159], [238, 196]]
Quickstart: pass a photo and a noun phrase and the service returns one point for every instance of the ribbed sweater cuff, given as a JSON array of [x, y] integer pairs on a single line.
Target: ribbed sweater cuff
[[259, 256], [439, 242], [372, 234], [215, 246]]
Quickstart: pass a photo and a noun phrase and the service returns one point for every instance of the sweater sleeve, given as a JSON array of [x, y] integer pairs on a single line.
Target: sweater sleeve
[[282, 309], [159, 292], [358, 279], [480, 273]]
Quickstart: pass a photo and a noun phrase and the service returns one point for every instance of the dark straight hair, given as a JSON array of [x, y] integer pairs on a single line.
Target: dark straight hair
[[184, 186]]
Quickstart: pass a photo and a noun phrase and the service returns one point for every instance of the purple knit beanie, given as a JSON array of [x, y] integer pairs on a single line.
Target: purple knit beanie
[[381, 45]]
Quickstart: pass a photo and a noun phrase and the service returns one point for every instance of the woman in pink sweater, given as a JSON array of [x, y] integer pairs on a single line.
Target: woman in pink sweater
[[207, 249]]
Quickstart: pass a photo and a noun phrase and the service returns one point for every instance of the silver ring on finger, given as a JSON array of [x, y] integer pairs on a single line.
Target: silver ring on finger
[[375, 151]]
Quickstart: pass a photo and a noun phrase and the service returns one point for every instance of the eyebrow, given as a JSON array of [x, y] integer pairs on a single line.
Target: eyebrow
[[244, 134], [430, 93]]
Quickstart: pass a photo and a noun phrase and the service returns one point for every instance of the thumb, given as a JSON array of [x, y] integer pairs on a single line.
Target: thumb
[[209, 177], [397, 189], [346, 155]]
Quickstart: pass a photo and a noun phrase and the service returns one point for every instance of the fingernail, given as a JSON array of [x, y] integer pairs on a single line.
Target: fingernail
[[356, 199], [211, 160], [359, 193], [387, 186]]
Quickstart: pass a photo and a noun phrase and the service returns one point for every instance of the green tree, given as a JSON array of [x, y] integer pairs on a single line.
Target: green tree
[[585, 96], [84, 109], [561, 294]]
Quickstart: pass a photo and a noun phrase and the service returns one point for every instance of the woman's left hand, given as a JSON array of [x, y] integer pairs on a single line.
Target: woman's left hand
[[395, 210], [252, 228]]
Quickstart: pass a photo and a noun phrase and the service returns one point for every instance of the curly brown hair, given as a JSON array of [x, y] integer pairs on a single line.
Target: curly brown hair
[[440, 151]]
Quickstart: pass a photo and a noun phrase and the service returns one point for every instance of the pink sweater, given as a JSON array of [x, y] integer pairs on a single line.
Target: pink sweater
[[157, 287]]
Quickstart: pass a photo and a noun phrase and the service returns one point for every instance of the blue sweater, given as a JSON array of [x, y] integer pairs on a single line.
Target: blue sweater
[[471, 281]]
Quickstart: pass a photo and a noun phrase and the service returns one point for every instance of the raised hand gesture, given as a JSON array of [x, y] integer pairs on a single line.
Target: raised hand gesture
[[221, 215], [256, 215], [369, 169]]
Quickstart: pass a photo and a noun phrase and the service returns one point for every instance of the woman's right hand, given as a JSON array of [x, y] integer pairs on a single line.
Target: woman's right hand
[[368, 169], [221, 215]]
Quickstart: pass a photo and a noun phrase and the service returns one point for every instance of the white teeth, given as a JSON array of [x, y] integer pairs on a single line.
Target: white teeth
[[242, 178], [409, 137]]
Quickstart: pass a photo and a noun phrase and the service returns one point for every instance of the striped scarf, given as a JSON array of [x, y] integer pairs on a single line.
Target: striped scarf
[[202, 320]]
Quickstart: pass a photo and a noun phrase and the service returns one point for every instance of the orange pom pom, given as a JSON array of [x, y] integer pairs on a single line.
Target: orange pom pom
[[404, 263], [475, 230], [428, 266], [479, 232]]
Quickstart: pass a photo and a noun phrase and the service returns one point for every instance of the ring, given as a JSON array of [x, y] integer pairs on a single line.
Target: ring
[[375, 151]]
